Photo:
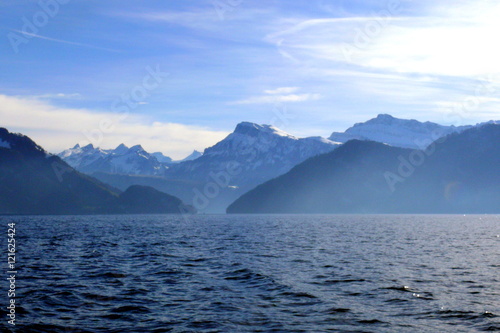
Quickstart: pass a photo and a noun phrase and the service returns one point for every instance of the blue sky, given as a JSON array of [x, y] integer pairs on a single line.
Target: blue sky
[[179, 75]]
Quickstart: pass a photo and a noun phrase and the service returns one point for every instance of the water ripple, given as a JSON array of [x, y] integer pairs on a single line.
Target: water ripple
[[256, 274]]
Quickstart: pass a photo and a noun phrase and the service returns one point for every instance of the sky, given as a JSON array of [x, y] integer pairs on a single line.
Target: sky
[[175, 76]]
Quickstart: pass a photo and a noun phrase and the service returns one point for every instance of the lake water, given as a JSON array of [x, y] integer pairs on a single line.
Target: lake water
[[264, 273]]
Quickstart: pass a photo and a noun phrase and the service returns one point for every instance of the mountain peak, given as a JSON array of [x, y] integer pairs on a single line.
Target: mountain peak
[[20, 142], [405, 133], [384, 116], [247, 128], [253, 130], [194, 155], [136, 148], [87, 147], [77, 146], [121, 149]]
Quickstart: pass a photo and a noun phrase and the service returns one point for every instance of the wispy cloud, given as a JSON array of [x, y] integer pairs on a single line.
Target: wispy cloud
[[204, 17], [32, 35], [58, 96], [194, 19]]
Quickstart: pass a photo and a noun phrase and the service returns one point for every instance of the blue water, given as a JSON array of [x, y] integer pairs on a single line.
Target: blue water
[[255, 274]]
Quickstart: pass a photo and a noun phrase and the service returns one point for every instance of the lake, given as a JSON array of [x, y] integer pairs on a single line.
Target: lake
[[254, 273]]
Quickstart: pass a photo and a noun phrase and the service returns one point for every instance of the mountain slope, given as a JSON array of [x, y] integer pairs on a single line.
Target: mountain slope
[[396, 132], [34, 182], [457, 174]]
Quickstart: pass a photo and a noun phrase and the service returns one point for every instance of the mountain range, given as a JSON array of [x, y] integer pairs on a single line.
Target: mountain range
[[249, 156], [458, 173], [121, 160], [35, 182], [89, 179]]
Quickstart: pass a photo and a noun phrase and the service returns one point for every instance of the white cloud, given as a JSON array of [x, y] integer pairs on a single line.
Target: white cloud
[[279, 95], [57, 129], [271, 99], [459, 41], [282, 90]]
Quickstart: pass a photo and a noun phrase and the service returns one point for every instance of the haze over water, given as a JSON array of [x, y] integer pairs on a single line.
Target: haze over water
[[260, 273]]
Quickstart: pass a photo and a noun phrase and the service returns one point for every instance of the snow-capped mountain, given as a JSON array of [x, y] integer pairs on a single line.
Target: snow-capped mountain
[[81, 157], [255, 152], [396, 132], [249, 156], [121, 160]]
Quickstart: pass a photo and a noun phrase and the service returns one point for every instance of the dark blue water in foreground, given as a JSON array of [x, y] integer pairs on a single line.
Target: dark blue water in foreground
[[255, 274]]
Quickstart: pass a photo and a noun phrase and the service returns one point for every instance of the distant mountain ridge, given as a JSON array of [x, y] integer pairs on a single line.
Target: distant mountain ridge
[[404, 133], [121, 160], [455, 174], [35, 182]]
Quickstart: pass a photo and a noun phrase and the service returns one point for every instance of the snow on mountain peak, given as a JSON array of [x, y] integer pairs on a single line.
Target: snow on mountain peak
[[247, 128], [122, 160], [395, 132], [4, 144], [254, 130]]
